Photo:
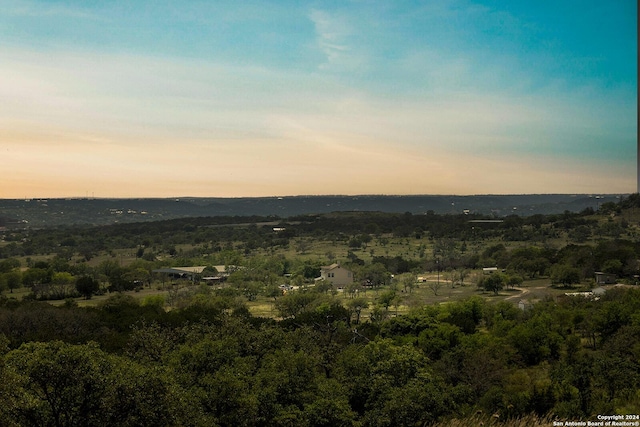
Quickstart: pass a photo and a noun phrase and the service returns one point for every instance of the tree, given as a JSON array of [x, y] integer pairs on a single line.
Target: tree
[[251, 290], [87, 286], [513, 281], [386, 298], [353, 289], [59, 284], [36, 276], [330, 407], [209, 270], [408, 282], [438, 338], [462, 274], [493, 283], [613, 266], [565, 275], [9, 264], [376, 274], [303, 246], [394, 385], [435, 286], [138, 276], [397, 301], [294, 303], [356, 305], [13, 280], [273, 292], [466, 315], [323, 286], [80, 385], [64, 385], [535, 340], [38, 279]]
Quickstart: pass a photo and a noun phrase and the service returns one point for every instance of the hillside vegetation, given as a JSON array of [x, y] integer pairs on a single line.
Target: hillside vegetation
[[90, 335]]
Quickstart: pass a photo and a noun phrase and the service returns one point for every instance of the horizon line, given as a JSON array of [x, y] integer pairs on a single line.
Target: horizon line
[[177, 198]]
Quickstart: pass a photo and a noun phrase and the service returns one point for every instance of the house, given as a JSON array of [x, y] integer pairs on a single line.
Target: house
[[181, 272], [524, 305], [489, 270], [336, 275], [605, 278]]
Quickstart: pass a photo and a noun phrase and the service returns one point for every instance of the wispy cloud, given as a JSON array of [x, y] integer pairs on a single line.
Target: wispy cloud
[[333, 37], [366, 97]]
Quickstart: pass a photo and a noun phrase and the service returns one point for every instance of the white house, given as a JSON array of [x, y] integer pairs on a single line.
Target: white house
[[524, 305], [336, 275]]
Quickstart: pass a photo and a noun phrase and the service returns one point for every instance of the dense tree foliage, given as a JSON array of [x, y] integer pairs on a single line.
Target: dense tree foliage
[[211, 363]]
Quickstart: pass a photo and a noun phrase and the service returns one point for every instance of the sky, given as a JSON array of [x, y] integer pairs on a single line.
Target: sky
[[240, 99]]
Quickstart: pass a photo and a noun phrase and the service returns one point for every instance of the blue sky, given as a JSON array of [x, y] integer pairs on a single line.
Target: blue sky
[[199, 98]]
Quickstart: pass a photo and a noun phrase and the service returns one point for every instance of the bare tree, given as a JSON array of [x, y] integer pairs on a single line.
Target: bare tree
[[435, 286]]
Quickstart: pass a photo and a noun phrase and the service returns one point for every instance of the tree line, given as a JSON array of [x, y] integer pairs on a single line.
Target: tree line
[[355, 228]]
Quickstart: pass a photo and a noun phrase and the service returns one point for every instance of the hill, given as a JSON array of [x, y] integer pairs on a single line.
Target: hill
[[54, 212]]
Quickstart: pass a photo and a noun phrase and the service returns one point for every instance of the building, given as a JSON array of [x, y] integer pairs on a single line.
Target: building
[[336, 275], [524, 305], [605, 278], [182, 272], [489, 270]]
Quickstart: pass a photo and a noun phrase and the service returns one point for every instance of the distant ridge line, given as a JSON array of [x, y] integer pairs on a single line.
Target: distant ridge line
[[69, 211]]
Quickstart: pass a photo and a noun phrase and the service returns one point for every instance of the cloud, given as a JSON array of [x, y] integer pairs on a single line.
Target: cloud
[[334, 37], [400, 102], [162, 123]]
